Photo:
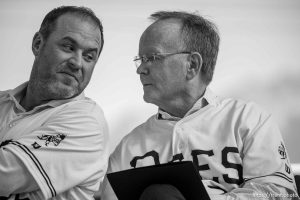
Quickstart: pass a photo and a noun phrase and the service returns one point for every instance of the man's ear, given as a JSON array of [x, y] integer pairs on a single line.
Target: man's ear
[[37, 43], [195, 65]]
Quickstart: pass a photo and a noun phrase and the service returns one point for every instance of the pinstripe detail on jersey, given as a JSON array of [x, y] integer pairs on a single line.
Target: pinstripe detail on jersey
[[281, 175], [37, 164], [248, 179]]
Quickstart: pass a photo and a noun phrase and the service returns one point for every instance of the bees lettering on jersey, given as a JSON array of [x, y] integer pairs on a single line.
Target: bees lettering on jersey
[[201, 167], [55, 139]]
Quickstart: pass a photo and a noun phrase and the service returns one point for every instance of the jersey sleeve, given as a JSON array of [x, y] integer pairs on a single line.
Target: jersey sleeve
[[265, 158], [69, 150], [17, 177], [266, 167], [107, 193]]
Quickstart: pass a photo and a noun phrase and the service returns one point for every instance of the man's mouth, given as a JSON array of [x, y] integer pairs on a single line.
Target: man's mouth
[[69, 74], [146, 84]]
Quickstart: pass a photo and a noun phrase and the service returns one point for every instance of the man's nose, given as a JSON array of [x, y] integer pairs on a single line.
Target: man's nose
[[76, 61], [142, 69]]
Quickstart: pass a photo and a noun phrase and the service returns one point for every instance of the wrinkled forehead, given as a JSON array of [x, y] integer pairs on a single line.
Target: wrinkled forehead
[[73, 23], [77, 17], [162, 35]]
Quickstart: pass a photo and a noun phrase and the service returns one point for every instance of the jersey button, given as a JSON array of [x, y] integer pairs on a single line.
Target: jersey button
[[180, 129], [11, 124], [181, 146]]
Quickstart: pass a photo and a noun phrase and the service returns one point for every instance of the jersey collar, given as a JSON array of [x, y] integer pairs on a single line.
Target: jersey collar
[[16, 94], [209, 98]]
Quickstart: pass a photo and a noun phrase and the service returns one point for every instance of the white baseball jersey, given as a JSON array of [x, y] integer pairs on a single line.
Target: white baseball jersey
[[55, 151], [237, 147]]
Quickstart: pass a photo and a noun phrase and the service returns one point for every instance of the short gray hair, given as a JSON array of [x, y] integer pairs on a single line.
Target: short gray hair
[[199, 35], [49, 22]]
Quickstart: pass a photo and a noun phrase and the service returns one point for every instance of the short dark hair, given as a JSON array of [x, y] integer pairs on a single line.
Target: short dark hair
[[199, 34], [49, 22]]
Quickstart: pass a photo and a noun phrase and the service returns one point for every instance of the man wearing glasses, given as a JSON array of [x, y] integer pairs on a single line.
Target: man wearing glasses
[[237, 148]]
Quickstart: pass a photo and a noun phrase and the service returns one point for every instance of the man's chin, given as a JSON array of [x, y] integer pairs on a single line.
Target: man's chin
[[58, 93], [148, 99]]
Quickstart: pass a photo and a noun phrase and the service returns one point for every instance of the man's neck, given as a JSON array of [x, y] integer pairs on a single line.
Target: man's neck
[[30, 99], [179, 107]]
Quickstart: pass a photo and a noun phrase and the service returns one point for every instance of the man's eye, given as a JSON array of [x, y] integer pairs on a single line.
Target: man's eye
[[89, 57], [148, 58], [151, 58], [68, 47]]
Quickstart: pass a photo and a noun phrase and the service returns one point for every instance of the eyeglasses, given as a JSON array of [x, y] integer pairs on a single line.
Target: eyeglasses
[[138, 60]]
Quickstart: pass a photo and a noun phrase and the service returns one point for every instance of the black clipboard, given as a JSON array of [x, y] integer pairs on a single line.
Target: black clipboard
[[129, 184]]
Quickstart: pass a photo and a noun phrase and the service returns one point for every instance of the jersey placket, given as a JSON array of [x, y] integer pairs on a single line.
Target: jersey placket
[[180, 141], [15, 116]]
